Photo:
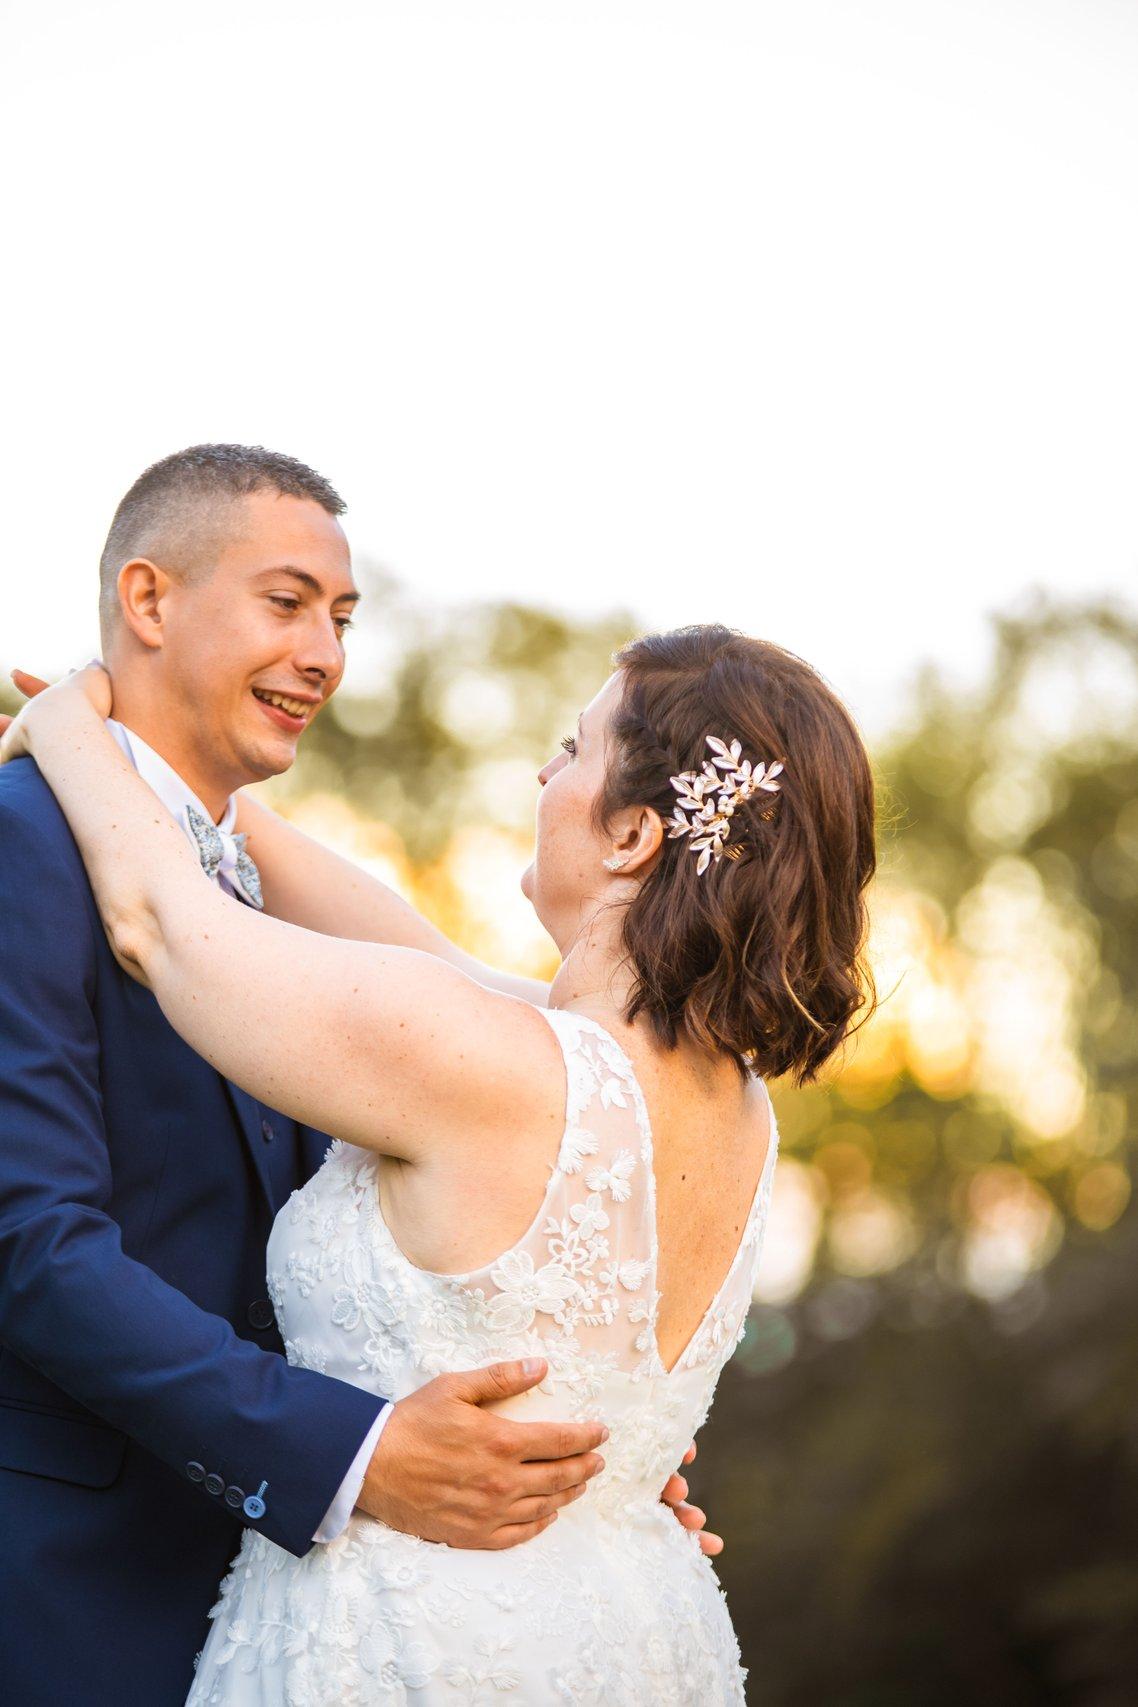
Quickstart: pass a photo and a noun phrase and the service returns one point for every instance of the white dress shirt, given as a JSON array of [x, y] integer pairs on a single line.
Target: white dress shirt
[[176, 795]]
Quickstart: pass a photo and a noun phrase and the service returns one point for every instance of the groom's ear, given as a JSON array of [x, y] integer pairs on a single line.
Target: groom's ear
[[142, 590]]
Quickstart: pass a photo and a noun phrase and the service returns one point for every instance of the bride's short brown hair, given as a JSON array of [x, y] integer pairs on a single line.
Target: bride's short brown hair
[[762, 956]]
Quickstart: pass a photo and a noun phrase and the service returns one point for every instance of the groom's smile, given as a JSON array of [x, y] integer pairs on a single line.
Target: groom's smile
[[288, 711]]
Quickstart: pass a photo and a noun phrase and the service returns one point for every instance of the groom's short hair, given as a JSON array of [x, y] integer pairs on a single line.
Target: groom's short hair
[[176, 513]]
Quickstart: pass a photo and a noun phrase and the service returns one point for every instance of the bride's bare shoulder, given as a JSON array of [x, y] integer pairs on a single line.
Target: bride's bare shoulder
[[504, 1056]]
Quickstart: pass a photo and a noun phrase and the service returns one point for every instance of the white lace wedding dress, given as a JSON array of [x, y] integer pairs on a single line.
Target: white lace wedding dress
[[612, 1605]]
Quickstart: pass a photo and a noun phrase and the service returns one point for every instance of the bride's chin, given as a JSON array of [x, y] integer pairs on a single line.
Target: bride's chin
[[528, 886]]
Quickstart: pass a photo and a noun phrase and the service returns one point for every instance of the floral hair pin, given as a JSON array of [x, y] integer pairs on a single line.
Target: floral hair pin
[[709, 799]]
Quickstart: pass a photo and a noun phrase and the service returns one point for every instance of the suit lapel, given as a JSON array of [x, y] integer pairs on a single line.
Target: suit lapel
[[147, 1013]]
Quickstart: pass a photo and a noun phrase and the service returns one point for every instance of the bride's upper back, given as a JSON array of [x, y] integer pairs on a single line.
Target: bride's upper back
[[611, 1214], [712, 1134]]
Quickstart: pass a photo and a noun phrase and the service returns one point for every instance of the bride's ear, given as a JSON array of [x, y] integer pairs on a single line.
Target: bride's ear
[[637, 835], [142, 589]]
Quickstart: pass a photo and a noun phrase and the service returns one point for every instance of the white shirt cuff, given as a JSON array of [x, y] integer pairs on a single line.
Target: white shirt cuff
[[338, 1513]]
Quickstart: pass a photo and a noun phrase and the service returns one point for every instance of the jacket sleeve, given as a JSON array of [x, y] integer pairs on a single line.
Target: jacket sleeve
[[104, 1328]]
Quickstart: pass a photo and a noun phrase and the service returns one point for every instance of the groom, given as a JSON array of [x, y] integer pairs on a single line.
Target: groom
[[146, 1411]]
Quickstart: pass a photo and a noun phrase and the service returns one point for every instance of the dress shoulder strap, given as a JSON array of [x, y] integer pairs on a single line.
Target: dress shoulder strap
[[596, 1240]]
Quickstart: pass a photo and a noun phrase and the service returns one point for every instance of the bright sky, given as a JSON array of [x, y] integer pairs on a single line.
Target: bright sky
[[815, 317]]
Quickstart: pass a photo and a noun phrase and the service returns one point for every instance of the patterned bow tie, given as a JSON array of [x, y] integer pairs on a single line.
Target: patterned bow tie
[[224, 855]]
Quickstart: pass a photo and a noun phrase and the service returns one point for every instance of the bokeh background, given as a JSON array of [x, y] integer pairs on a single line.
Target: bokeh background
[[818, 320]]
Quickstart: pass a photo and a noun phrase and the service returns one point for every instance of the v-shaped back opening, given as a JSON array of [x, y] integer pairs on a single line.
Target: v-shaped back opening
[[753, 1207]]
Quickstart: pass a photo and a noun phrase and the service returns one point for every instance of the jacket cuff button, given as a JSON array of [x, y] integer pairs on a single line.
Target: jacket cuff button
[[195, 1471], [235, 1497], [214, 1484], [254, 1506]]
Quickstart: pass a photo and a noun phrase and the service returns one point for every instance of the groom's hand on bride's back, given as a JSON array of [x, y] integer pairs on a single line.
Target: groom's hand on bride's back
[[687, 1515], [449, 1470]]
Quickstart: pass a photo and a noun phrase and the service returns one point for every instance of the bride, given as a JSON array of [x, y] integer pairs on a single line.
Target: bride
[[578, 1173]]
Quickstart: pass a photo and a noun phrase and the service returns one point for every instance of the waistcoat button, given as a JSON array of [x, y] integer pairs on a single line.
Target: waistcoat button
[[260, 1314]]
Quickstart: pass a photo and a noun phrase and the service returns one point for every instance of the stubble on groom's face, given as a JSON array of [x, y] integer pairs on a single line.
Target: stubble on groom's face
[[252, 643]]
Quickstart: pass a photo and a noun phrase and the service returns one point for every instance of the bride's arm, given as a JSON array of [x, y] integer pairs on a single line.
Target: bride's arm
[[384, 1047], [307, 884]]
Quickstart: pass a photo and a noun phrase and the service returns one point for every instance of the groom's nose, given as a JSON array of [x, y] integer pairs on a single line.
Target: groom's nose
[[319, 653]]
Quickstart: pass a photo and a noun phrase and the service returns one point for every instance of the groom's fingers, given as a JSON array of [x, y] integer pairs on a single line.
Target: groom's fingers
[[498, 1380], [538, 1442], [694, 1519], [532, 1511], [526, 1440], [557, 1475], [675, 1490], [513, 1533]]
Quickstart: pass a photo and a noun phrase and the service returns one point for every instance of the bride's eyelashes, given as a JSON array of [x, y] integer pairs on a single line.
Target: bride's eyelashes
[[569, 745]]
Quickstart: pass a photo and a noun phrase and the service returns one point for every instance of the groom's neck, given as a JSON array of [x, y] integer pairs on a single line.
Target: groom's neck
[[167, 727]]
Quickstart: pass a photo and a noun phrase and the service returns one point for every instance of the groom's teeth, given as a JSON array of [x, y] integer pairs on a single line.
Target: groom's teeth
[[294, 707]]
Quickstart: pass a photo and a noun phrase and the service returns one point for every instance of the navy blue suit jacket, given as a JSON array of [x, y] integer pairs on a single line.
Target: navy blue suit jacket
[[144, 1397]]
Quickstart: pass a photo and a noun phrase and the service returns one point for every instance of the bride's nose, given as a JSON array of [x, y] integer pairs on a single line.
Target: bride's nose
[[552, 768]]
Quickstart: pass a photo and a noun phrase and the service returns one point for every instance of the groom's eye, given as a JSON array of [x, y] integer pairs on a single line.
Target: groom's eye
[[283, 603]]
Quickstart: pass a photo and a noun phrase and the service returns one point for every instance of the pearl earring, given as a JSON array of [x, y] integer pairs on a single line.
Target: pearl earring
[[615, 863]]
